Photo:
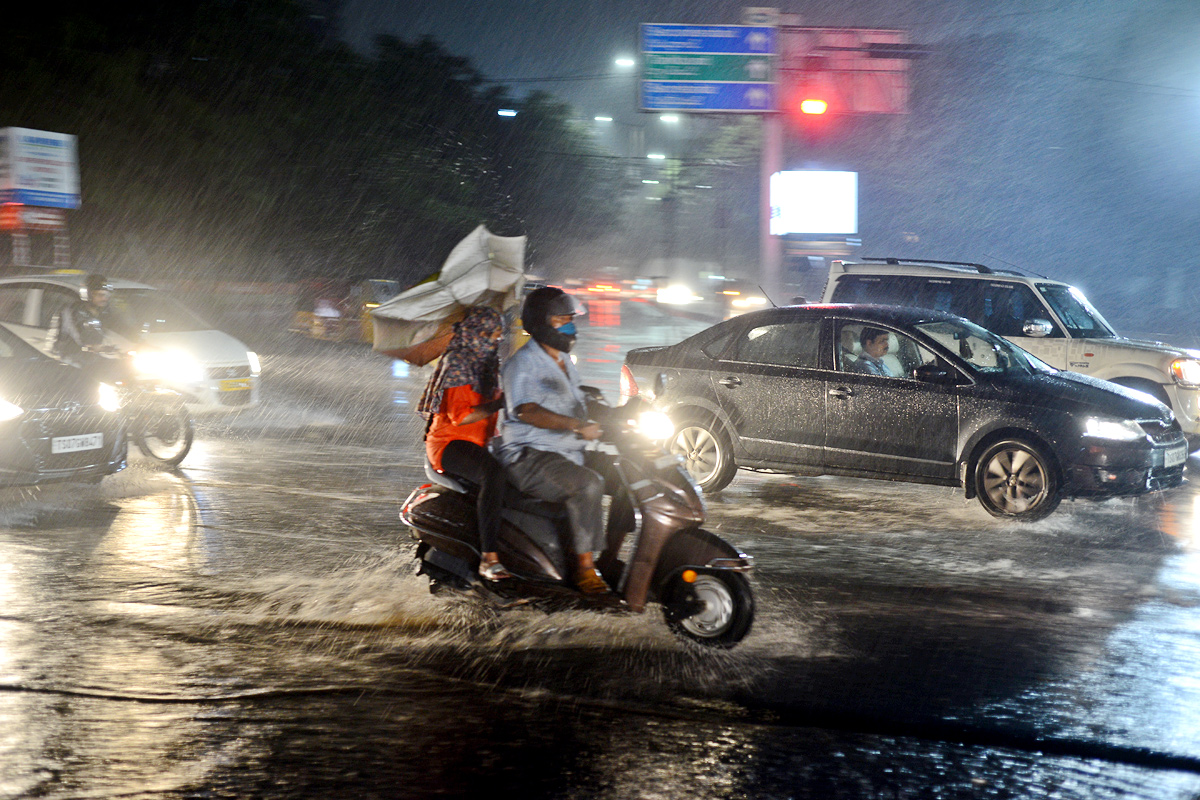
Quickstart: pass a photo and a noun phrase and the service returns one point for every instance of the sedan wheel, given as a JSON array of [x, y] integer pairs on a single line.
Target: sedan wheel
[[707, 455], [1013, 479]]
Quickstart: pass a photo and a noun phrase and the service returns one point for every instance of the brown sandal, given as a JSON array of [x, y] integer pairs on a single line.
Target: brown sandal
[[590, 581]]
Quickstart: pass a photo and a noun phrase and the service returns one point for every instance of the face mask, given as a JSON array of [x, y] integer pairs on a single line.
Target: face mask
[[568, 329]]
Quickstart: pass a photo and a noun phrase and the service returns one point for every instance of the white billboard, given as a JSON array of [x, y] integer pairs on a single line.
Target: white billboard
[[38, 168], [814, 202]]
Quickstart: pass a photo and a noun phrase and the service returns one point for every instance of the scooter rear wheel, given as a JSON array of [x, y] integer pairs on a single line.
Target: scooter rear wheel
[[721, 608]]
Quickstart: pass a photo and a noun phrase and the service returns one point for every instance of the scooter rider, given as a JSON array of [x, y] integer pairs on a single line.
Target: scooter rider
[[545, 431]]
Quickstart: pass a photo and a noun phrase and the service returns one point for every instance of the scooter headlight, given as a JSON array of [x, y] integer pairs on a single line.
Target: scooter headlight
[[655, 425]]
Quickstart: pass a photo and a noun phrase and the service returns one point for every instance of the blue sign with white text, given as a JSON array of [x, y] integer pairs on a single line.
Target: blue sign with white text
[[744, 39], [683, 96], [707, 68]]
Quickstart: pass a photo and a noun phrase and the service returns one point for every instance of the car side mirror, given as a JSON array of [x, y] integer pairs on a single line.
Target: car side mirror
[[1037, 328], [935, 373]]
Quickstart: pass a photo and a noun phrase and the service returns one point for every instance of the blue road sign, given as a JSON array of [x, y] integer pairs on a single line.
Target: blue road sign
[[706, 68], [693, 96], [745, 39]]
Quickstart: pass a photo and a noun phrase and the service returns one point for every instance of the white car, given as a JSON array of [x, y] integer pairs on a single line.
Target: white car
[[211, 369], [1048, 318]]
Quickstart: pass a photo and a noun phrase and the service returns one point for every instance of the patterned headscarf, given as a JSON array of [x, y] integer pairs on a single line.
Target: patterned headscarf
[[470, 358]]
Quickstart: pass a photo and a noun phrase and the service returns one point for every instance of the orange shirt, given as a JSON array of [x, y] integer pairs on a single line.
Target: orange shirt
[[457, 403]]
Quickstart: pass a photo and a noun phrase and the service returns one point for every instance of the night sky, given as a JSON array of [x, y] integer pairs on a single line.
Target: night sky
[[572, 44]]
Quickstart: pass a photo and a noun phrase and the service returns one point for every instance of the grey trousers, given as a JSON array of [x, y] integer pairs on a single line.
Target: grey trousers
[[555, 478]]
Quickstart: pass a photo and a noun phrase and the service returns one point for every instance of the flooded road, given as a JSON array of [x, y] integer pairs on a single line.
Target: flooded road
[[250, 626]]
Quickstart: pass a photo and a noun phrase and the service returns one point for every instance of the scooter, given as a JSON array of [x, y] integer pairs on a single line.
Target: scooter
[[656, 551]]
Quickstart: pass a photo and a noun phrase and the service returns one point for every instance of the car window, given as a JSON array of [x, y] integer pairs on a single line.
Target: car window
[[1076, 312], [1004, 308], [54, 302], [868, 349], [982, 350], [717, 345], [795, 343], [14, 347], [13, 304]]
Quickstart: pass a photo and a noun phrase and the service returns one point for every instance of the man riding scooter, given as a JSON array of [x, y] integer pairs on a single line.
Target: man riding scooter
[[545, 431]]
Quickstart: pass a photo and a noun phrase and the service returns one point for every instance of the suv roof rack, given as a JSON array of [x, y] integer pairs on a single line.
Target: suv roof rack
[[890, 260]]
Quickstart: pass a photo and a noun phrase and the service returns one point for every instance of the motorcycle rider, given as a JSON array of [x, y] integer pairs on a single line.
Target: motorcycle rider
[[545, 430], [82, 326]]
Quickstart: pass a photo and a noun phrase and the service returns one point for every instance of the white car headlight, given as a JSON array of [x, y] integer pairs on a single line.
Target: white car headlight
[[1186, 371], [110, 398], [1121, 430], [655, 425], [170, 366], [9, 410], [255, 366]]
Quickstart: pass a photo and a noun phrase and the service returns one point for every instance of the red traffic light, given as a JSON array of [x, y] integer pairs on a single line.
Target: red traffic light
[[812, 105]]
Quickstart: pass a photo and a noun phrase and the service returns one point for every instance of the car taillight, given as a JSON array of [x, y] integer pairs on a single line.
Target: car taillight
[[629, 387]]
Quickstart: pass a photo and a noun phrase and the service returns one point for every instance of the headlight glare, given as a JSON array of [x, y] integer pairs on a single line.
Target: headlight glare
[[1186, 371], [255, 366], [110, 398], [171, 366], [655, 425], [1121, 430], [9, 410]]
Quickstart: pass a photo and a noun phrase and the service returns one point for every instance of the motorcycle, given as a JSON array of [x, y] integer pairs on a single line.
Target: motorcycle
[[156, 418], [656, 550]]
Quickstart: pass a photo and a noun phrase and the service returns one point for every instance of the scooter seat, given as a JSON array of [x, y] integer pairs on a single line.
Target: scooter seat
[[449, 481]]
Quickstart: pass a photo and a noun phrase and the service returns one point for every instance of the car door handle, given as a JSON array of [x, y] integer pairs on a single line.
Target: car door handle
[[841, 391], [730, 382]]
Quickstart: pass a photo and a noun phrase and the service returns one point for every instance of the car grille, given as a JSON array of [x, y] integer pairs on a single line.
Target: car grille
[[1160, 432], [224, 373], [39, 427]]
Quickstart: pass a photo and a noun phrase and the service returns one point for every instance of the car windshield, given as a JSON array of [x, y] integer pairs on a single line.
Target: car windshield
[[152, 311], [1076, 313], [984, 351]]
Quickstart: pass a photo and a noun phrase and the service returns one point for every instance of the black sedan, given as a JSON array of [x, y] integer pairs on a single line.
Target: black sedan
[[56, 423], [903, 394]]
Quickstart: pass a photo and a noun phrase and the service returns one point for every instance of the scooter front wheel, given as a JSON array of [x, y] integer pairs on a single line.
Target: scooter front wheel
[[716, 609], [165, 433]]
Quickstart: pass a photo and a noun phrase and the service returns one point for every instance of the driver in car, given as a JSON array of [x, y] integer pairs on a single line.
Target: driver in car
[[545, 428], [874, 347]]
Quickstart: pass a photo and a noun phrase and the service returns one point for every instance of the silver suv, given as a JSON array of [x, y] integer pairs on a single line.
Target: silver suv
[[1050, 319]]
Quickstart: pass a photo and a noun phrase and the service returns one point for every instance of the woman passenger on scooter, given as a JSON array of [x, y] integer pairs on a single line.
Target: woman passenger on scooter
[[460, 403]]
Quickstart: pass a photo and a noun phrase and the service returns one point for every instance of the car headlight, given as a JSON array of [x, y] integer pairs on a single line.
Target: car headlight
[[1186, 371], [255, 366], [110, 398], [1121, 430], [655, 425], [170, 366], [9, 410]]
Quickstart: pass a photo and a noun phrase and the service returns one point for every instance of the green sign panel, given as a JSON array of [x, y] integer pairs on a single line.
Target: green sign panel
[[716, 67]]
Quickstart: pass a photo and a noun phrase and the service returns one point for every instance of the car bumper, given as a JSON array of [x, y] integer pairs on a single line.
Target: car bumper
[[27, 457], [1111, 470], [221, 394]]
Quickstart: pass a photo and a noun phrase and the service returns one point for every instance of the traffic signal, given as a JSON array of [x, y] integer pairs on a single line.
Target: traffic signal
[[813, 105]]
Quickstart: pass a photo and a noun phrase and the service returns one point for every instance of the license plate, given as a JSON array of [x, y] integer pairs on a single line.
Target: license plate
[[73, 444], [1175, 456], [235, 385]]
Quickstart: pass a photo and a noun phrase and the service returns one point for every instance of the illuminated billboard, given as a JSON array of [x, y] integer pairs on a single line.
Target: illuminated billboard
[[814, 202]]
